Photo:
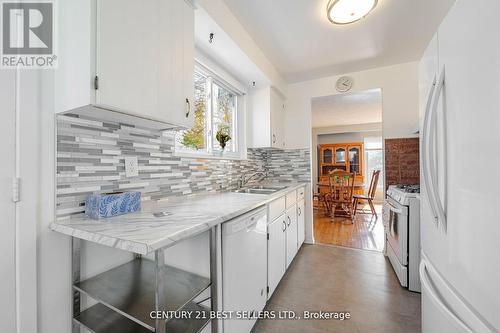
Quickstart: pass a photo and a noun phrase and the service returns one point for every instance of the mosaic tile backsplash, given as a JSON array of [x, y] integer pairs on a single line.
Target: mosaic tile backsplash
[[90, 159]]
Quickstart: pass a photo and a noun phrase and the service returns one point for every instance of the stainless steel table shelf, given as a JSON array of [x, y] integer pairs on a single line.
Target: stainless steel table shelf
[[129, 289], [101, 319], [127, 294]]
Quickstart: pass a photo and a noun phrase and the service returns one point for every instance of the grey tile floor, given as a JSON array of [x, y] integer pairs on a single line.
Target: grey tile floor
[[330, 278]]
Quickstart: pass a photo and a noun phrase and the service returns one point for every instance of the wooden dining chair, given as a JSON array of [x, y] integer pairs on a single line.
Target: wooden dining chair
[[319, 201], [341, 193], [370, 196]]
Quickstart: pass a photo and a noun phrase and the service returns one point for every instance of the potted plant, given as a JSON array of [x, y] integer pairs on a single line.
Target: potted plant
[[223, 136]]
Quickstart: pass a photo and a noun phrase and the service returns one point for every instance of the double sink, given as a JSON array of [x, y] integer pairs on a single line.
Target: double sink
[[260, 189]]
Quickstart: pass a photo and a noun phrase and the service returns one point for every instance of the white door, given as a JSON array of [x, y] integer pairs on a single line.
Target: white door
[[276, 255], [301, 223], [464, 248], [291, 234], [7, 206]]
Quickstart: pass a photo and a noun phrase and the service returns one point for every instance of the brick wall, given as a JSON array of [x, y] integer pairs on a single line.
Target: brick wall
[[402, 161]]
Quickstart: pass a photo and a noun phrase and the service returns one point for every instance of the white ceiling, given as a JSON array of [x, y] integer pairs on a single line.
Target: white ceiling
[[224, 51], [299, 40], [347, 109]]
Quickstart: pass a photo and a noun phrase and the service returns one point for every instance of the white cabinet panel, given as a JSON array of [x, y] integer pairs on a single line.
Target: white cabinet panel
[[276, 256], [301, 223], [276, 208], [301, 193], [291, 234], [291, 199], [277, 120], [145, 58], [266, 118]]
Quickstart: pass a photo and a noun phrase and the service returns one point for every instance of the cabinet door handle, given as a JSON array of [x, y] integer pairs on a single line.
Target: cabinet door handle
[[289, 220], [284, 226], [188, 107]]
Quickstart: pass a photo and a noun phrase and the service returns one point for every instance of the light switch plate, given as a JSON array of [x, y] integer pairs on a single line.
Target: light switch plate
[[131, 166]]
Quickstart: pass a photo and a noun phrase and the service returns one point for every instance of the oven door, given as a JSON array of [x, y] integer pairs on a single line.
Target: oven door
[[396, 229]]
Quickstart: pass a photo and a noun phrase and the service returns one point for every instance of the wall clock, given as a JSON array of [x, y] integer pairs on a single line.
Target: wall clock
[[344, 84]]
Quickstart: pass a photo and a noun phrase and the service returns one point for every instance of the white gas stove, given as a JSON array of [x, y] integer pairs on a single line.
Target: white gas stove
[[403, 193], [402, 230]]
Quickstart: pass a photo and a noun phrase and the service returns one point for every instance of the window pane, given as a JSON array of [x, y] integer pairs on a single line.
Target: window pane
[[375, 162], [195, 138], [373, 142], [223, 118]]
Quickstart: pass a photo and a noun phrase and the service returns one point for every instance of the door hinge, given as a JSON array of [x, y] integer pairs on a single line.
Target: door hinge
[[15, 189], [96, 82], [267, 236], [268, 289]]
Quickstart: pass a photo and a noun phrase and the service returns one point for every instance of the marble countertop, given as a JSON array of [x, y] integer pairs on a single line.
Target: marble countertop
[[145, 231]]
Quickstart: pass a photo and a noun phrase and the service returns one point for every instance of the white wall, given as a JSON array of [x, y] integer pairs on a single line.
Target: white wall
[[399, 84], [347, 137]]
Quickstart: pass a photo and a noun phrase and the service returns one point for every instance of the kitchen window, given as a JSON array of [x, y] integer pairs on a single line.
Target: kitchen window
[[215, 111]]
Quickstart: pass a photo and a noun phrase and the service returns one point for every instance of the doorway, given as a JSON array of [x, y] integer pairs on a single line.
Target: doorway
[[347, 135]]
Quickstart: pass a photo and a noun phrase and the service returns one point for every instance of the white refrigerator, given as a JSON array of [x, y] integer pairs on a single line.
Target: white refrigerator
[[459, 78]]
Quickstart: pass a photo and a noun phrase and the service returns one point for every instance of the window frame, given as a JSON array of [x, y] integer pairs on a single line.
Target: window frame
[[238, 128], [380, 184]]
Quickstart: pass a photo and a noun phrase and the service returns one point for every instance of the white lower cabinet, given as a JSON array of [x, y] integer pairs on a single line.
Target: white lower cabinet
[[301, 223], [286, 233], [276, 256], [291, 234]]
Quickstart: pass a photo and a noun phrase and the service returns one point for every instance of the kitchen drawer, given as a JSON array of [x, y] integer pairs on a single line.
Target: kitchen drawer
[[291, 199], [300, 193], [276, 208]]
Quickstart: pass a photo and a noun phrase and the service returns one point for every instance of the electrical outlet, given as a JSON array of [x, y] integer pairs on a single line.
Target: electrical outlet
[[131, 166]]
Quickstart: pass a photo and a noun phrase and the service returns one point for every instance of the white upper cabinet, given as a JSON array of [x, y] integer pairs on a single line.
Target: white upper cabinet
[[266, 118], [145, 58]]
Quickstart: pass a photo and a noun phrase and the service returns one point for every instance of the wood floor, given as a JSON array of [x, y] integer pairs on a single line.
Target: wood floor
[[331, 278], [366, 233]]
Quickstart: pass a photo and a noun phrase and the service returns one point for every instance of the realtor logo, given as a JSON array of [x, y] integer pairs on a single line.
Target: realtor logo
[[28, 34]]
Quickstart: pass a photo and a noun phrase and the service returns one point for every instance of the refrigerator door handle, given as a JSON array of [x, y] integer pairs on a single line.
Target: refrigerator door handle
[[439, 205], [433, 295], [425, 151]]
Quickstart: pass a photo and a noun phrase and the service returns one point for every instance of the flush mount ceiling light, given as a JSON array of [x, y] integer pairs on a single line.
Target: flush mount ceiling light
[[349, 11]]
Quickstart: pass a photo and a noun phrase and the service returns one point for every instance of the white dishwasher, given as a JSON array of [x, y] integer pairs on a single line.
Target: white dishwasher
[[244, 268]]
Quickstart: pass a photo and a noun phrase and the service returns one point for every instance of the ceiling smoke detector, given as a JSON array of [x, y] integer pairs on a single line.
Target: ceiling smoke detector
[[349, 11]]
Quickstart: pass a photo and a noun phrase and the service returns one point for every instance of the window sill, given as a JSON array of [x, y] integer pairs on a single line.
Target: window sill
[[205, 156]]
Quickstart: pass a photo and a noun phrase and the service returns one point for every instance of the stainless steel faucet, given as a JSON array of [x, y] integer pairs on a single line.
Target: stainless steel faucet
[[244, 180]]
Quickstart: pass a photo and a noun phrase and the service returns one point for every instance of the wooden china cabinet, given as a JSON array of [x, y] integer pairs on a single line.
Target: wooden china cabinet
[[345, 156]]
